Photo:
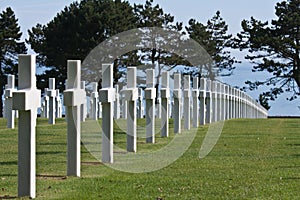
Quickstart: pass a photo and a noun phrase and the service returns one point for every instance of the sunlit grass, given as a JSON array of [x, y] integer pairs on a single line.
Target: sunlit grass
[[253, 159]]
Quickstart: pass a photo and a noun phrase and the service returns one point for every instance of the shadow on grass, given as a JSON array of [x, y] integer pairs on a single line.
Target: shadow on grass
[[294, 145], [291, 178], [52, 143], [9, 163], [9, 175], [295, 155], [88, 163], [8, 197], [50, 152], [51, 177]]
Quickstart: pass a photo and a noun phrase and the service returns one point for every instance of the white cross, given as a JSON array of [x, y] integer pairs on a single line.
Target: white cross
[[73, 99], [131, 95], [107, 97], [150, 95], [9, 112], [27, 100]]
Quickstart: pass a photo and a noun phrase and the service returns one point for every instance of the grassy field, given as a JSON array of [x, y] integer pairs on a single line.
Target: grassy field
[[253, 159]]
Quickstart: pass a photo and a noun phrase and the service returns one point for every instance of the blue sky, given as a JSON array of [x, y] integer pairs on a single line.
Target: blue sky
[[233, 11]]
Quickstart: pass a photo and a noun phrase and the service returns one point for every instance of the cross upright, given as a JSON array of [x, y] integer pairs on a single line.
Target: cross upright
[[177, 103], [195, 94], [8, 94], [73, 99], [107, 98], [131, 96], [26, 100], [150, 95], [51, 93], [165, 95], [202, 101], [186, 107]]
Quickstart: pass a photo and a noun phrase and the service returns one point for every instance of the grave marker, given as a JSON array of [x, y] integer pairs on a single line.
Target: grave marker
[[186, 107], [107, 98], [83, 106], [51, 93], [195, 102], [208, 102], [26, 100], [131, 96], [117, 103], [177, 103], [8, 94], [94, 99], [150, 95], [202, 101], [165, 95], [140, 103], [73, 99]]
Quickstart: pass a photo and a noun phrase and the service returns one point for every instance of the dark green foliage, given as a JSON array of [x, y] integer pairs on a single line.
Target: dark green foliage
[[263, 101], [150, 15], [10, 47], [74, 32], [274, 47], [213, 37]]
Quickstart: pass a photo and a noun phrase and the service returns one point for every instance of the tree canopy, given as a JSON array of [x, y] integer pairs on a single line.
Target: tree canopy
[[10, 45], [274, 47], [214, 38], [74, 32]]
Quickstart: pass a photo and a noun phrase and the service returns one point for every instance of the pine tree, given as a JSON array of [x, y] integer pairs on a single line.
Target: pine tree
[[274, 47], [10, 48], [149, 16], [213, 37], [74, 32]]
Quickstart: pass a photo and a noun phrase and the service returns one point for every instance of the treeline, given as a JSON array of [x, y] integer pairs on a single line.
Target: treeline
[[76, 30]]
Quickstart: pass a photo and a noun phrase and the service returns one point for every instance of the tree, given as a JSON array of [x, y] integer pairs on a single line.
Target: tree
[[74, 32], [264, 102], [213, 37], [149, 16], [10, 47], [274, 47]]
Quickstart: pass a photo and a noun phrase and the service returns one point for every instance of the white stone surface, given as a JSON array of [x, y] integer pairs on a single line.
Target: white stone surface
[[58, 105], [177, 103], [187, 103], [94, 101], [208, 102], [107, 98], [51, 93], [213, 101], [27, 100], [83, 107], [140, 104], [202, 101], [8, 101], [195, 102], [73, 99], [124, 103], [131, 96], [117, 103], [165, 95], [150, 95]]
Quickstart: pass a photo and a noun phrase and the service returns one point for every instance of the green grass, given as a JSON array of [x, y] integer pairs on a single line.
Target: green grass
[[253, 159]]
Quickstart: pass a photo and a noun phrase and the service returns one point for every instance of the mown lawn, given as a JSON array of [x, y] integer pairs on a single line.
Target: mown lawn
[[253, 159]]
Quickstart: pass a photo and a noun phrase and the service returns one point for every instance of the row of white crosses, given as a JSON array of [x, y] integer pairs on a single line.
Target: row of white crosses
[[51, 107], [27, 100], [218, 102]]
